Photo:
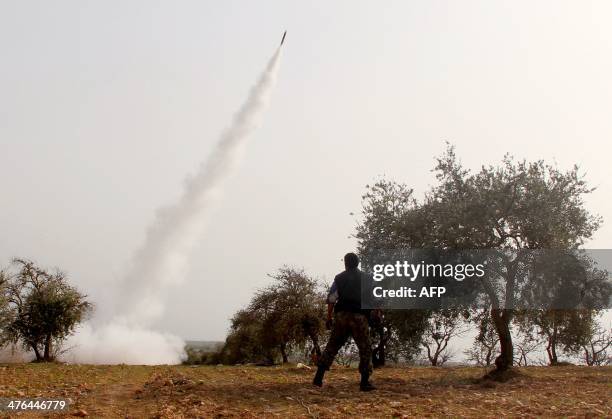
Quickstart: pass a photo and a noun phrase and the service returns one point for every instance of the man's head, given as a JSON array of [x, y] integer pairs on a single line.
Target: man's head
[[351, 261]]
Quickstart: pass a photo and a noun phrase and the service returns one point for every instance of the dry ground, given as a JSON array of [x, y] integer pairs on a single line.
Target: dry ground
[[241, 391]]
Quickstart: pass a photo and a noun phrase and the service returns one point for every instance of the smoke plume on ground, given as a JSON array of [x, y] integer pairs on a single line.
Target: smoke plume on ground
[[127, 337]]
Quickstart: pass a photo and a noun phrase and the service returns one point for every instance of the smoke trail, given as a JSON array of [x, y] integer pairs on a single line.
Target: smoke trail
[[161, 261]]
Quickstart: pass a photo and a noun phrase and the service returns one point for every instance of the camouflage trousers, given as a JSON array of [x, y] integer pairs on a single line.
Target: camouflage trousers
[[347, 325]]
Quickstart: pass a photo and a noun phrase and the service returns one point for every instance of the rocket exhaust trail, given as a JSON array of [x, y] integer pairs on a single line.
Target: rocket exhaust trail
[[161, 260]]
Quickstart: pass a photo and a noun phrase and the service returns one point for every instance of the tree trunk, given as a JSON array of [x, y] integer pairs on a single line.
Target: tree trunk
[[587, 359], [438, 358], [283, 350], [501, 320], [378, 354], [488, 357], [382, 356], [315, 353], [315, 344], [551, 350], [433, 358], [48, 343], [36, 352]]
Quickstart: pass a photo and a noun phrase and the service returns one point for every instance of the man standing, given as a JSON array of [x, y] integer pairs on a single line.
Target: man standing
[[350, 319]]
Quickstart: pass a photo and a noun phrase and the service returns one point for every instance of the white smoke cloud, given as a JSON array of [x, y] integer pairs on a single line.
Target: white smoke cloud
[[162, 260], [116, 343]]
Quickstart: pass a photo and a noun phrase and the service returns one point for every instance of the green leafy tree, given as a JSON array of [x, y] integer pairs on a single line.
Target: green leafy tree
[[512, 207], [525, 345], [559, 329], [397, 336], [596, 347], [288, 314], [442, 326], [244, 341], [392, 218], [292, 308], [560, 277], [485, 347], [45, 309]]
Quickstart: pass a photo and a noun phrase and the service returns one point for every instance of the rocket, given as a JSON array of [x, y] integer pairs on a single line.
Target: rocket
[[283, 40]]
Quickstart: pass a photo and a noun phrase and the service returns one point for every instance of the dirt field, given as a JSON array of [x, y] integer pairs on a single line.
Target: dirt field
[[182, 391]]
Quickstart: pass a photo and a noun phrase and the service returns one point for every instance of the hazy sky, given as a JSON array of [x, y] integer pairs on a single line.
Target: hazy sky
[[106, 106]]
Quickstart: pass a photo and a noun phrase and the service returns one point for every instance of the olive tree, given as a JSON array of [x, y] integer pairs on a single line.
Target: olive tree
[[393, 218], [443, 325], [485, 347], [595, 348], [44, 309], [287, 314], [559, 329], [511, 208]]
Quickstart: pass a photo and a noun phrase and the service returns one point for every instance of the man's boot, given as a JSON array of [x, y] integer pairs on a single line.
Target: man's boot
[[365, 384], [318, 378]]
